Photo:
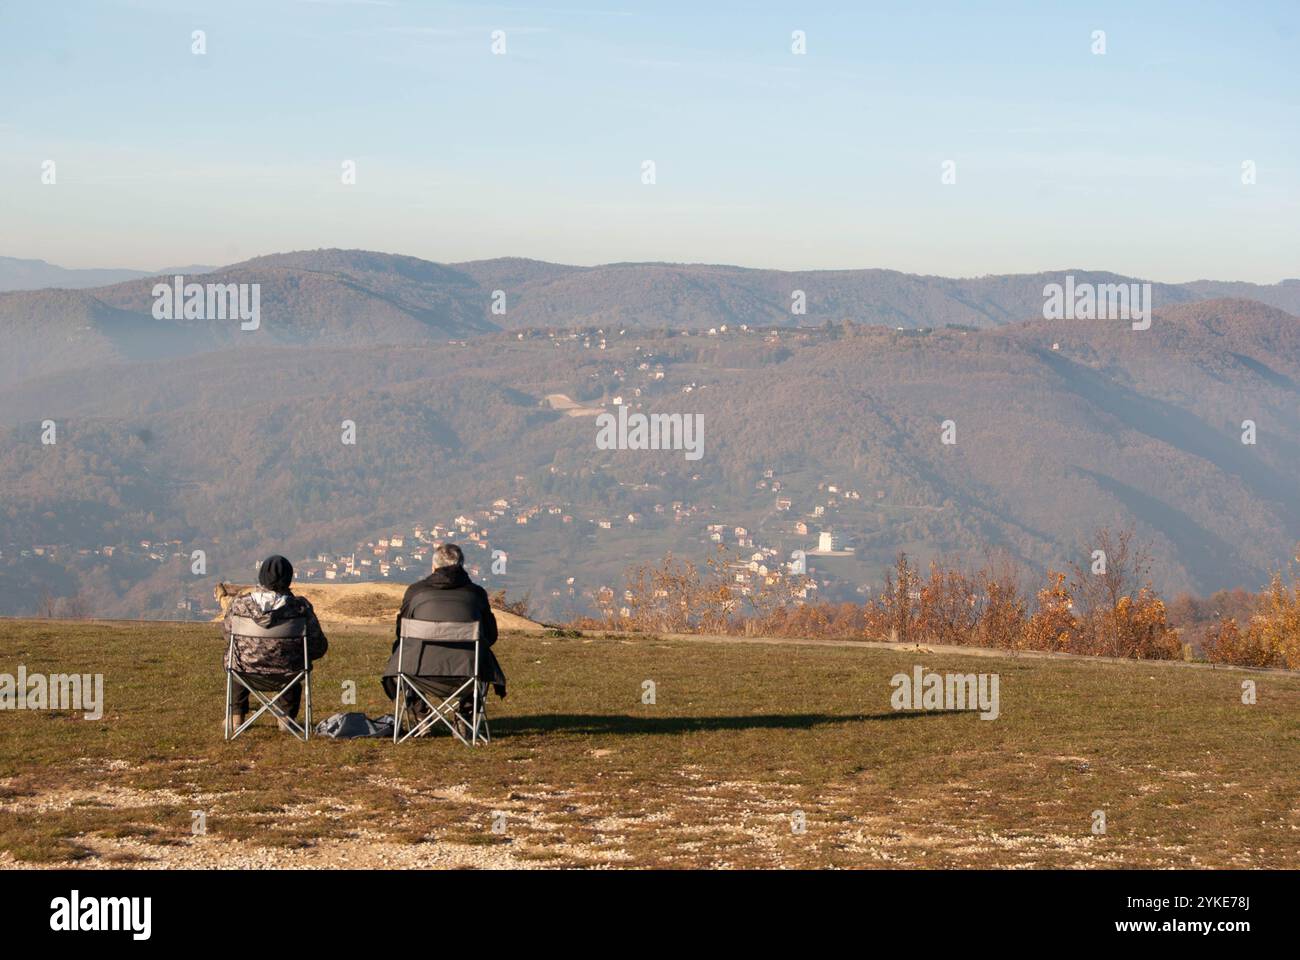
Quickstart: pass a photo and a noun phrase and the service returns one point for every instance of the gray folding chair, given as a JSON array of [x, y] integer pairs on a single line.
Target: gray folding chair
[[432, 653], [247, 634]]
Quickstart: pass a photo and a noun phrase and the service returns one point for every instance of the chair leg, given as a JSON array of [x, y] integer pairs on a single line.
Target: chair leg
[[272, 706], [480, 721], [398, 703], [474, 717], [299, 731], [443, 712]]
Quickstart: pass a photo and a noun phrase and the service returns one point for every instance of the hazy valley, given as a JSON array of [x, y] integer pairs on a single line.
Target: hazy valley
[[232, 442]]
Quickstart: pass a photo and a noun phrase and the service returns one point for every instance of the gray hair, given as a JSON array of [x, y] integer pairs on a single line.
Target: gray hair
[[447, 555]]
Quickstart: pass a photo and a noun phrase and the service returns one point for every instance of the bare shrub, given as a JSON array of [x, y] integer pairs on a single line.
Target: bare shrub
[[1271, 638], [1112, 613], [519, 607], [1120, 614], [1053, 626]]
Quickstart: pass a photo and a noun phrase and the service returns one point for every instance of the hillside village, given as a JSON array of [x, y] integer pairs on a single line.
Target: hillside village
[[489, 535], [863, 479], [785, 543]]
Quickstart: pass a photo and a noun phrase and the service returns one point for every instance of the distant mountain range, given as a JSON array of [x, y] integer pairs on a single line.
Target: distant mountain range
[[361, 298], [16, 274]]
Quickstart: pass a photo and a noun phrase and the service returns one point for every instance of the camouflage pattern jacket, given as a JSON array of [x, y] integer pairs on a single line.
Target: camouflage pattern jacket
[[270, 655]]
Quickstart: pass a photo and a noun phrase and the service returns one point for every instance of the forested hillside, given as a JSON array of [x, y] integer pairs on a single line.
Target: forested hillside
[[1059, 428]]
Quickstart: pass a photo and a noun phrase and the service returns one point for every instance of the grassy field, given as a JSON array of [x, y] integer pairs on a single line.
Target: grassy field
[[744, 741]]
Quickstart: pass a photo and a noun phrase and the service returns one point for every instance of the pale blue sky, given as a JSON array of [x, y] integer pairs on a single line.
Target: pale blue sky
[[1129, 161]]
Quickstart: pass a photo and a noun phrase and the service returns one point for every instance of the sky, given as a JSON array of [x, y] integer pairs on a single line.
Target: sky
[[1129, 160]]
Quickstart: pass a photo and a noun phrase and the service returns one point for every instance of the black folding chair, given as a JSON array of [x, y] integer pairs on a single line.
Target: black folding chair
[[246, 635], [437, 654]]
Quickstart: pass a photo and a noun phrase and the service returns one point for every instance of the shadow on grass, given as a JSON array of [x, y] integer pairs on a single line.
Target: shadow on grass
[[623, 724]]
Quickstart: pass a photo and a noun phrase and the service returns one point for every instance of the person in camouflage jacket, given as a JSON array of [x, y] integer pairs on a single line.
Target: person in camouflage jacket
[[272, 604]]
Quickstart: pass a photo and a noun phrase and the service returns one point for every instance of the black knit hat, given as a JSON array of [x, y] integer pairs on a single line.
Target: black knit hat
[[276, 574]]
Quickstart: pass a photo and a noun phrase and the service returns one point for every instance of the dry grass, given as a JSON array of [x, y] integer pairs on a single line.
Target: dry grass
[[581, 772], [371, 605]]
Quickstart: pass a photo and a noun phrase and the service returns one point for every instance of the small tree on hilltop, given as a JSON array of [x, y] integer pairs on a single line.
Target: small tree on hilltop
[[897, 599], [1120, 614], [1053, 626]]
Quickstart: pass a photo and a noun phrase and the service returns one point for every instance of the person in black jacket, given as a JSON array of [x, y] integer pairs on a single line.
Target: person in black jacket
[[448, 595]]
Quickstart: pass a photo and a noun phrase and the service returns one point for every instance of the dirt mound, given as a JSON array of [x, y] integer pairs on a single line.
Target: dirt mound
[[562, 403], [357, 604]]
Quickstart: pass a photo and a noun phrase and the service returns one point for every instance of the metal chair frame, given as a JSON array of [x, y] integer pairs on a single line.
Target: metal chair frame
[[249, 630], [441, 634]]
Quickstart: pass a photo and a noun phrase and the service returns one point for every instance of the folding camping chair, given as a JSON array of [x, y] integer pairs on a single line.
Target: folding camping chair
[[244, 629], [429, 650]]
